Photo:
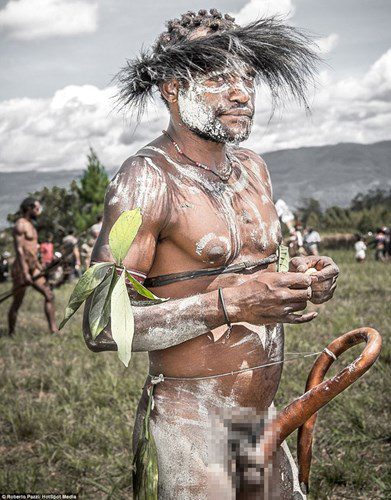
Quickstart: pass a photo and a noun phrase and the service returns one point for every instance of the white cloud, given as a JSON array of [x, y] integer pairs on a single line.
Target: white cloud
[[31, 19], [57, 132], [258, 8], [54, 134], [328, 43]]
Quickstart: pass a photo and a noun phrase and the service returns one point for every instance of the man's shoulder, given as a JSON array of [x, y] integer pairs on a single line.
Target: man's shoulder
[[21, 225], [139, 182], [254, 162], [136, 165], [248, 155]]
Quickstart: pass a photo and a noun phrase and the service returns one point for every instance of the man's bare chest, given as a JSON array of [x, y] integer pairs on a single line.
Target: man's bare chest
[[233, 221]]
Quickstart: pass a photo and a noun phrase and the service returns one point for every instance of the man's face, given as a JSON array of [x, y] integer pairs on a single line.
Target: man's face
[[36, 210], [220, 106]]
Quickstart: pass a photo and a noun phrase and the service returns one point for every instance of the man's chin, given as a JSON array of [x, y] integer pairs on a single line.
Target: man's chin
[[238, 137], [223, 134]]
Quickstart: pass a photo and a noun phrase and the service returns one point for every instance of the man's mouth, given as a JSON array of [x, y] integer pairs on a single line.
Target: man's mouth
[[238, 112]]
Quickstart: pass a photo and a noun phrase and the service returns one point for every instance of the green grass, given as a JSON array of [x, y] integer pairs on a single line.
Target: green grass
[[66, 414]]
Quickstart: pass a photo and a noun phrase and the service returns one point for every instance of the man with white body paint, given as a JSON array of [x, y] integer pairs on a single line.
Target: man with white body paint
[[207, 203]]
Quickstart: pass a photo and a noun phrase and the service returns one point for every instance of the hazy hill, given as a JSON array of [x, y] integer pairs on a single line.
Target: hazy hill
[[332, 174]]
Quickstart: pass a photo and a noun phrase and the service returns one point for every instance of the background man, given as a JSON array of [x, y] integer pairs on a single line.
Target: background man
[[208, 204], [26, 265], [311, 241]]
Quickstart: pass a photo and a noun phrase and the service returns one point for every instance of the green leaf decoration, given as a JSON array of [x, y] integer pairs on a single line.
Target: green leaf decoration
[[85, 286], [283, 259], [99, 313], [141, 290], [145, 463], [123, 233], [122, 320]]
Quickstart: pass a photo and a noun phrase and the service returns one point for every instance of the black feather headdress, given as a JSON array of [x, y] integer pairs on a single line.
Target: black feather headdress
[[282, 56]]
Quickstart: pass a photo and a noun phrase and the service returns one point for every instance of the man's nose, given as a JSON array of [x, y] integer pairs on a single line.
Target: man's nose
[[239, 93]]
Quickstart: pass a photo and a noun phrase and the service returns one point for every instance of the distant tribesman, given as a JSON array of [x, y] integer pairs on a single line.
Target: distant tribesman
[[96, 228], [46, 249], [380, 245], [312, 240], [72, 261], [360, 248], [86, 251], [4, 266], [27, 267]]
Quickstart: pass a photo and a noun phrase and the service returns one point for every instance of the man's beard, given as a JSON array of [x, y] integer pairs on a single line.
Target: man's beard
[[204, 121]]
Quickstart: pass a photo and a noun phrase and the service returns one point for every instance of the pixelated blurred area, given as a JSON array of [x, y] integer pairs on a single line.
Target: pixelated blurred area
[[237, 466]]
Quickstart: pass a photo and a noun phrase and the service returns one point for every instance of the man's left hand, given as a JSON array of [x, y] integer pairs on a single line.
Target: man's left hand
[[326, 275]]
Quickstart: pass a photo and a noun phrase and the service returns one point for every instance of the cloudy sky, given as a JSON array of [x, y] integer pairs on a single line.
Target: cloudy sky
[[57, 58]]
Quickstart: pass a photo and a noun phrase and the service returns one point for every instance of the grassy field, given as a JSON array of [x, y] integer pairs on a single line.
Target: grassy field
[[66, 414]]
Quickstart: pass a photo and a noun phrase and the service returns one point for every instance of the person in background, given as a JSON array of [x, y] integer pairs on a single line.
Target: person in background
[[27, 270], [46, 249], [96, 228], [72, 263], [4, 267], [387, 250], [380, 245], [86, 251], [360, 248], [296, 241], [311, 241]]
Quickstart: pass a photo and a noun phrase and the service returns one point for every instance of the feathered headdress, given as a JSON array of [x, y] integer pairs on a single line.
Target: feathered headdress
[[281, 56]]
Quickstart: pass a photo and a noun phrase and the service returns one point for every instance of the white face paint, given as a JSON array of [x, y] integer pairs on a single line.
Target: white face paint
[[203, 117]]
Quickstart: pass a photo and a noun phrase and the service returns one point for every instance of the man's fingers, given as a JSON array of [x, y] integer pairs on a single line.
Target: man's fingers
[[299, 295], [298, 264], [329, 272], [295, 280], [310, 281], [319, 297], [300, 318], [296, 306]]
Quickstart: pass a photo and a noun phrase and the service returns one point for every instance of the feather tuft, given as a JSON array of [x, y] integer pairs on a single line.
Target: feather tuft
[[283, 57]]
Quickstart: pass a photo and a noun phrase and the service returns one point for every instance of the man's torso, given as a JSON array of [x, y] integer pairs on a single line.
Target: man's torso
[[214, 224]]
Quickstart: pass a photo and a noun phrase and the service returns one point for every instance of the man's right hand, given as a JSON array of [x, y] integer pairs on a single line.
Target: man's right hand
[[28, 280], [268, 298]]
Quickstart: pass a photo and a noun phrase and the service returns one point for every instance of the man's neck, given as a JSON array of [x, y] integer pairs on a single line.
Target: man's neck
[[207, 152]]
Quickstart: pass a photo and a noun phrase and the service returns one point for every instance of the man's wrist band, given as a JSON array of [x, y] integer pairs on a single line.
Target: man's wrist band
[[225, 312]]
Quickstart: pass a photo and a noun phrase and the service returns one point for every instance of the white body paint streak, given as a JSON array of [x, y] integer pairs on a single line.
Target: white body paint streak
[[173, 329], [265, 199], [274, 231], [200, 245], [241, 183]]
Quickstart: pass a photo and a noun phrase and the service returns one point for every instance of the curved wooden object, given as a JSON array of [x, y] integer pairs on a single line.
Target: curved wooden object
[[302, 412]]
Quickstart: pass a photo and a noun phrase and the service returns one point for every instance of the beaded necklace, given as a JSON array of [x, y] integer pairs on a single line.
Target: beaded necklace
[[227, 166]]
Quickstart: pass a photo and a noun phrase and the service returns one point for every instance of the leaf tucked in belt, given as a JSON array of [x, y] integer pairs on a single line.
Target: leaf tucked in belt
[[145, 463]]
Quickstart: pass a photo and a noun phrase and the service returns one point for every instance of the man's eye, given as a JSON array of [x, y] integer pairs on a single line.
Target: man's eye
[[218, 79]]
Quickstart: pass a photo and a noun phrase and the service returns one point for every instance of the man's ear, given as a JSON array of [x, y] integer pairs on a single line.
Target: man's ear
[[170, 90]]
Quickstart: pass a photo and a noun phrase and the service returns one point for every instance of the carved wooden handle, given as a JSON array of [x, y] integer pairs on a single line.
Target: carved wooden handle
[[302, 412]]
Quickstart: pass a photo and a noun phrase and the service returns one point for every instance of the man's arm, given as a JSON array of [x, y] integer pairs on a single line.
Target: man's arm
[[19, 238], [159, 326]]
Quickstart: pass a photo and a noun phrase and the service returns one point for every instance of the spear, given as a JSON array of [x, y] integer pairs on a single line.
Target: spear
[[56, 262]]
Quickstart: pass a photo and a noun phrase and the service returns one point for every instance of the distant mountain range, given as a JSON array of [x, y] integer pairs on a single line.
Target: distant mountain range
[[331, 174]]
